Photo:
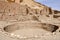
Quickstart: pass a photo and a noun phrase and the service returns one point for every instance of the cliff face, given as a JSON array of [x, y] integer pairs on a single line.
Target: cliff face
[[12, 10], [25, 19], [24, 10]]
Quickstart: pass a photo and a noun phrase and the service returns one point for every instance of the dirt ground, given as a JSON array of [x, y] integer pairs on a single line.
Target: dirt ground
[[27, 33]]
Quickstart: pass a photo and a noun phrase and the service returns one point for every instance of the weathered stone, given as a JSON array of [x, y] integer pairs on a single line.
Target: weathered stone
[[27, 18]]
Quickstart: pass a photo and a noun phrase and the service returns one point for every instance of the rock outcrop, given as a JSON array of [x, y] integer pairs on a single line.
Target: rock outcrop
[[28, 14], [27, 10]]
